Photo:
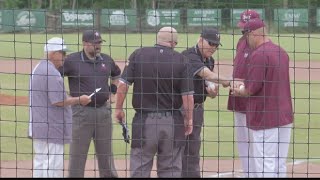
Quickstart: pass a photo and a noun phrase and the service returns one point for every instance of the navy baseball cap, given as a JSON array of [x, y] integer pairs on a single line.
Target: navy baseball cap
[[212, 35], [92, 36]]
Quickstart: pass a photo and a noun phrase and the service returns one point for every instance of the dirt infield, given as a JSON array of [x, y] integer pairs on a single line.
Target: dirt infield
[[13, 100], [299, 71], [209, 168]]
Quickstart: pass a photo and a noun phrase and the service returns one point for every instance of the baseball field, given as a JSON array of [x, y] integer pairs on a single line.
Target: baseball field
[[219, 153]]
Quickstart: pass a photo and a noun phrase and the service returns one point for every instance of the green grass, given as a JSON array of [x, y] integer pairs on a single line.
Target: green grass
[[218, 133], [120, 46]]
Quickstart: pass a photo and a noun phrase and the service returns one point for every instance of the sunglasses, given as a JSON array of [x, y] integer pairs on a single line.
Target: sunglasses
[[245, 31], [212, 44]]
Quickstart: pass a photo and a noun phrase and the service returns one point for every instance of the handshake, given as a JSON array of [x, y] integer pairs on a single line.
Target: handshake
[[236, 86]]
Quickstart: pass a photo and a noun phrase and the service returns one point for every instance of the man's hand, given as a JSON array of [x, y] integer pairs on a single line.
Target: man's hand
[[238, 89], [236, 83], [213, 92], [226, 83], [113, 98], [125, 132], [84, 100], [235, 86], [120, 116], [188, 126]]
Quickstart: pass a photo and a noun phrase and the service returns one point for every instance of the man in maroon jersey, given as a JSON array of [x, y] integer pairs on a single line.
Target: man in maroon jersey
[[238, 104], [269, 107]]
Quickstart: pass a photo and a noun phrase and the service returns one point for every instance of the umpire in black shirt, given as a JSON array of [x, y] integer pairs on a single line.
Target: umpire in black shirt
[[200, 58], [161, 87], [88, 70]]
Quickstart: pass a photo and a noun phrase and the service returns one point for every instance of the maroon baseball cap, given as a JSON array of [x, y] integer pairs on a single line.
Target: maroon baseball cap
[[253, 24], [246, 15]]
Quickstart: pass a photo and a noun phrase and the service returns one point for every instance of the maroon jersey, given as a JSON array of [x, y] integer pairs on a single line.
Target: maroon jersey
[[269, 104], [236, 103]]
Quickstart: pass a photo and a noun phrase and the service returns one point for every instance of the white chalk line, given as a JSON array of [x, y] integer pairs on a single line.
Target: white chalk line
[[232, 174]]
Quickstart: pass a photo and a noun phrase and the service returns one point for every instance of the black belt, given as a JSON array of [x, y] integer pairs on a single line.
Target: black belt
[[159, 114], [197, 105], [156, 113], [98, 105]]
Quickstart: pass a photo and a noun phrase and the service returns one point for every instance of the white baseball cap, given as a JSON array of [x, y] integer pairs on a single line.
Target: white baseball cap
[[55, 44]]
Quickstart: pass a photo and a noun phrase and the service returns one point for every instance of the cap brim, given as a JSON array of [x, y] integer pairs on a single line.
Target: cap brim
[[97, 40], [215, 42]]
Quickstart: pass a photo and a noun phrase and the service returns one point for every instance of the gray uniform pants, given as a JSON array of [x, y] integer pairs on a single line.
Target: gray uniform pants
[[191, 157], [91, 123], [159, 134]]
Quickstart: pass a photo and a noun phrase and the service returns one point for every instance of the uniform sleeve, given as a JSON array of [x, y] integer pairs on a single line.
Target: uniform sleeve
[[187, 78], [195, 63], [56, 90], [66, 68], [115, 70], [256, 73], [211, 64], [128, 72]]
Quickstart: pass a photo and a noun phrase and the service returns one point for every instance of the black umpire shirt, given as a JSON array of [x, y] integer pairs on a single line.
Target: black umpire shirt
[[197, 63], [86, 75], [160, 77]]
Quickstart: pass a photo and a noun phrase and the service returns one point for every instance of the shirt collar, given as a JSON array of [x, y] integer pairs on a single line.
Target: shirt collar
[[158, 45], [85, 58], [197, 50]]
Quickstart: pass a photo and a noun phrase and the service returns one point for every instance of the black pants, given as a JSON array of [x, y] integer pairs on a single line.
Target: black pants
[[191, 157]]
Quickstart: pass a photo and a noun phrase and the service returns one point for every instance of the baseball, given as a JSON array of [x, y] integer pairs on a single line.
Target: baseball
[[210, 85], [241, 87]]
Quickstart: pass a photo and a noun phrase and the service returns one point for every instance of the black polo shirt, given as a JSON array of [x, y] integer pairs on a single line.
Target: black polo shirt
[[160, 77], [197, 63], [86, 75]]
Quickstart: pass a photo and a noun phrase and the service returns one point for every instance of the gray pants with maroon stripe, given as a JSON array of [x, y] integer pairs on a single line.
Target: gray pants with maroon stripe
[[191, 157], [159, 139], [91, 123]]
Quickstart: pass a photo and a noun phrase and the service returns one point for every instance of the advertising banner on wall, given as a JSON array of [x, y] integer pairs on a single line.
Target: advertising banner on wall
[[118, 17], [22, 20], [77, 18], [163, 17], [204, 17], [291, 17]]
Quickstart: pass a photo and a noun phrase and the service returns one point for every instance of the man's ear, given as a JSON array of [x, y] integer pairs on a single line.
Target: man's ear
[[201, 42]]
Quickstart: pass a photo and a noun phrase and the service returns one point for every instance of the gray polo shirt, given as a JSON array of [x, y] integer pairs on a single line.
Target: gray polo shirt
[[49, 123]]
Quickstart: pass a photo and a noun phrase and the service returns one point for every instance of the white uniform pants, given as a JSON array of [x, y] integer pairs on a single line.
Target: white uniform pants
[[242, 141], [48, 159], [269, 151]]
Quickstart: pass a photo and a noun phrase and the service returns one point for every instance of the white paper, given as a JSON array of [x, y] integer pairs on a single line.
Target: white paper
[[97, 90]]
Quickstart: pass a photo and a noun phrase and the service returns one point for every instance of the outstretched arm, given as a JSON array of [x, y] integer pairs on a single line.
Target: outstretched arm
[[83, 100], [206, 74]]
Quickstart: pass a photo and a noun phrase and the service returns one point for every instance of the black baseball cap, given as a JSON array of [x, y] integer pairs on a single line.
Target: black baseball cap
[[212, 35], [92, 36]]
